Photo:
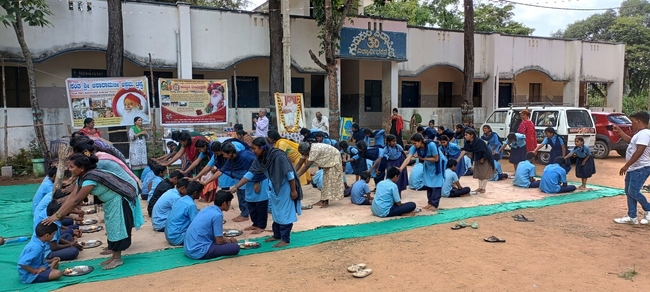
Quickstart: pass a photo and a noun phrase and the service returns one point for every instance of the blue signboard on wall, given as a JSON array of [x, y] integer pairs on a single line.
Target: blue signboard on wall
[[372, 44]]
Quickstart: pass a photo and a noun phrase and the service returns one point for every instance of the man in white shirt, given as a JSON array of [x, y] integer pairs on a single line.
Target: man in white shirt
[[320, 122], [261, 124], [637, 167]]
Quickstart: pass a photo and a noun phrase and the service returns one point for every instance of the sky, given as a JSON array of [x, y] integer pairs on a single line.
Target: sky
[[544, 21]]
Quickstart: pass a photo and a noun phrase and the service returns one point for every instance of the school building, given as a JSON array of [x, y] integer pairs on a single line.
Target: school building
[[419, 69]]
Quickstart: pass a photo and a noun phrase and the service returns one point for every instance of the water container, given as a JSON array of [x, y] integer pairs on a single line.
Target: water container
[[433, 117], [16, 240]]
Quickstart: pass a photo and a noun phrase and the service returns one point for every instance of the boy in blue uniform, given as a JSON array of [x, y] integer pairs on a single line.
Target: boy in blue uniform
[[525, 173], [356, 160], [63, 245], [554, 178], [159, 175], [32, 266], [498, 175], [164, 205], [182, 214], [451, 187], [387, 201], [204, 237], [360, 193], [45, 188]]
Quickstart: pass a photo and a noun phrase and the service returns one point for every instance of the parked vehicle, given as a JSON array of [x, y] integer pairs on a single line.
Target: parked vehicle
[[606, 139], [569, 122]]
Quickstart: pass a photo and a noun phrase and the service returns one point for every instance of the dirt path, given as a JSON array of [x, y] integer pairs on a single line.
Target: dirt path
[[569, 247]]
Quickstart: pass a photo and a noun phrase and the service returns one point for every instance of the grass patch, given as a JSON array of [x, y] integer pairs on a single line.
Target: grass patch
[[629, 274]]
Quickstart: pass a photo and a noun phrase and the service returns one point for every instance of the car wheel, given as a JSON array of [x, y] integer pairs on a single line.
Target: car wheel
[[601, 149], [621, 152], [544, 157]]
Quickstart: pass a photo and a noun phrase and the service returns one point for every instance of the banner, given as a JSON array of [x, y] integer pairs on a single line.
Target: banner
[[193, 102], [346, 128], [290, 112], [110, 101]]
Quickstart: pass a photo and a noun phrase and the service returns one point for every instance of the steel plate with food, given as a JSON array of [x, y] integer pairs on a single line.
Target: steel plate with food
[[232, 233], [87, 222], [91, 243], [91, 228], [78, 271]]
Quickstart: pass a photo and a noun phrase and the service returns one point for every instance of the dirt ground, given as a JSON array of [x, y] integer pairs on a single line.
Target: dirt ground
[[573, 247]]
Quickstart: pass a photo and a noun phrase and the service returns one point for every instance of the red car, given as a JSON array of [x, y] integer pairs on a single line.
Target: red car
[[606, 139]]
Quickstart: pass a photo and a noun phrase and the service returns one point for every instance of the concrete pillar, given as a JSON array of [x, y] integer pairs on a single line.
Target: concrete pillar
[[615, 90], [185, 41], [490, 87], [571, 93], [389, 90], [338, 82]]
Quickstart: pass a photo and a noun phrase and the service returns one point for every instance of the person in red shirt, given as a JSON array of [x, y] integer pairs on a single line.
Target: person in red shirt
[[527, 128], [396, 126]]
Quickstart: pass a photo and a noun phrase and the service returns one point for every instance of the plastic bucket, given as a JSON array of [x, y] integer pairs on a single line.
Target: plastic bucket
[[39, 167]]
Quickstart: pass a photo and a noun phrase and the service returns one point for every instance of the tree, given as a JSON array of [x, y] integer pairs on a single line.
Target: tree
[[493, 18], [115, 45], [330, 15], [445, 14], [33, 12], [276, 74], [629, 25], [468, 60], [411, 10]]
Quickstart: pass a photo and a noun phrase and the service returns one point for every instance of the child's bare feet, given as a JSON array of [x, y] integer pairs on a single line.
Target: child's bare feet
[[106, 262], [271, 239], [113, 264], [409, 214], [257, 230], [240, 218], [250, 228], [582, 187]]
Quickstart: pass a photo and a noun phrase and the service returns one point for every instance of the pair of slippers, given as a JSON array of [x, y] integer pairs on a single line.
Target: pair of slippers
[[463, 224], [521, 218], [359, 270]]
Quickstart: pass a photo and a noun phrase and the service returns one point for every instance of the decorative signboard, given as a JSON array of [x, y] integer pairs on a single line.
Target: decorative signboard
[[372, 44], [290, 112], [193, 102]]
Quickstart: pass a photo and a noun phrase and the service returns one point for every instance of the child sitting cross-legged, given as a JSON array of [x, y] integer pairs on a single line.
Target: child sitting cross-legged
[[554, 178], [525, 173], [386, 202], [498, 175], [32, 266], [451, 187], [360, 194], [63, 246]]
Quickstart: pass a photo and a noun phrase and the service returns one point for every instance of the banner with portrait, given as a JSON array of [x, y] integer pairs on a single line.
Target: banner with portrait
[[193, 102], [110, 101], [290, 112]]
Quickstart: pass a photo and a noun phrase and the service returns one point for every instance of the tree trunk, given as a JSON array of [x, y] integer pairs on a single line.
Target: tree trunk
[[31, 77], [115, 47], [468, 64], [333, 101], [276, 82]]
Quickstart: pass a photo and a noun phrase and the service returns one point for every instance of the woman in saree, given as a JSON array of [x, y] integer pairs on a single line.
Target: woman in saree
[[187, 152], [122, 210], [138, 146]]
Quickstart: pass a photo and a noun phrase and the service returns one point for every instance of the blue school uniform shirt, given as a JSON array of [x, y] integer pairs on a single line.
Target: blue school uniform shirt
[[353, 152], [249, 188], [380, 137], [386, 195], [431, 133], [154, 184], [40, 216], [201, 233], [46, 187], [359, 136], [552, 140], [450, 178], [42, 206], [163, 207], [33, 255], [525, 170], [520, 141], [145, 172], [552, 177], [430, 177], [146, 181], [359, 189], [452, 150], [416, 177], [581, 152], [497, 168], [391, 153], [179, 219], [329, 141]]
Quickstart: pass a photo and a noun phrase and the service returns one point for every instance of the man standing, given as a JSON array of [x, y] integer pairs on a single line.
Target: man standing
[[637, 167], [320, 122], [261, 124]]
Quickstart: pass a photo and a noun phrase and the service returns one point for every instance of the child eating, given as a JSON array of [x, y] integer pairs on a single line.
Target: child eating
[[32, 266]]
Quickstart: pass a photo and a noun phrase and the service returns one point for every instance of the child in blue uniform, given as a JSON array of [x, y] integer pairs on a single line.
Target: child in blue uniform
[[517, 143], [498, 175], [452, 187], [554, 178], [525, 173], [387, 202], [356, 160], [32, 266], [558, 147], [585, 166], [379, 135], [360, 193]]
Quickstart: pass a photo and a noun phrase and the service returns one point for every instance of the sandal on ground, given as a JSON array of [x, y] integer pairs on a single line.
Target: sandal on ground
[[362, 273], [522, 218], [458, 226], [307, 207], [417, 210], [474, 225], [356, 267], [494, 239]]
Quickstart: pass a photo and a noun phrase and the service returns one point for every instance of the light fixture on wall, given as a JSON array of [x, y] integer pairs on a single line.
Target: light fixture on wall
[[70, 4], [89, 6]]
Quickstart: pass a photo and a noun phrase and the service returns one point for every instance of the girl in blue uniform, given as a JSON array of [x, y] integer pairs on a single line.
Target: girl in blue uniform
[[493, 141], [558, 147], [585, 166], [433, 166]]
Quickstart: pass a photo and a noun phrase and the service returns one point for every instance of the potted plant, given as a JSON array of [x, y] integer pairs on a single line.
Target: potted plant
[[37, 154]]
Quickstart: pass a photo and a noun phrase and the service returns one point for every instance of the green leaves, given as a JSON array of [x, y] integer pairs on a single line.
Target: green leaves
[[493, 18], [33, 12], [411, 10]]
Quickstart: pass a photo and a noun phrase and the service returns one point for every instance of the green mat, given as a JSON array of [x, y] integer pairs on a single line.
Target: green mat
[[16, 210], [151, 262]]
